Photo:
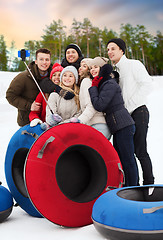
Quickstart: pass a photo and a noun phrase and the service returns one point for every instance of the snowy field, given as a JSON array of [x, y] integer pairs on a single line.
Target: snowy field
[[22, 226]]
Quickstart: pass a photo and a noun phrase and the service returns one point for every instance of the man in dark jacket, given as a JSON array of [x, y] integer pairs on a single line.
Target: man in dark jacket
[[23, 90]]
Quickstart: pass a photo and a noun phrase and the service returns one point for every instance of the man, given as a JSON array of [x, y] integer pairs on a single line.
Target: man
[[135, 83], [23, 90]]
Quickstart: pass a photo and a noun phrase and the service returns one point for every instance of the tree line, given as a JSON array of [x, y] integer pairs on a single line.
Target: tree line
[[92, 40]]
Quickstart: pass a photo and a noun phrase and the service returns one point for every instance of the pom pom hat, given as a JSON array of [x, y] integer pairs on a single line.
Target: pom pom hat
[[121, 44], [70, 69], [56, 68]]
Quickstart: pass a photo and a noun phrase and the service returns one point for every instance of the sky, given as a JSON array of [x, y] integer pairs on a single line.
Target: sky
[[23, 20]]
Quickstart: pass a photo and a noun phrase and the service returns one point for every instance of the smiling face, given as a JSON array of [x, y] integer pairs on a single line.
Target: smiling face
[[114, 52], [56, 77], [83, 70], [68, 79], [95, 70], [43, 62], [72, 55]]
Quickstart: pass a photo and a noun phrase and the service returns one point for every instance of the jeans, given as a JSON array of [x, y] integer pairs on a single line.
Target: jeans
[[124, 145], [103, 128], [141, 118]]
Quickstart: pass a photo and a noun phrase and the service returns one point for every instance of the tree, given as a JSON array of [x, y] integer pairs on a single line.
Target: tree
[[3, 54], [53, 37], [87, 29], [76, 30]]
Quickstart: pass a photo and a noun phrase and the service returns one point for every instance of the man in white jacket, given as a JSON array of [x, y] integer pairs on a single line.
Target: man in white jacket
[[135, 83]]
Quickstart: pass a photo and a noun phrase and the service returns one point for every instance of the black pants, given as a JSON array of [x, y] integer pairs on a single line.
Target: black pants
[[141, 118]]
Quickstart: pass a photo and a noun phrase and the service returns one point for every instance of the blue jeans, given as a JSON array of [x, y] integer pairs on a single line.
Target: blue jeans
[[103, 128], [124, 145], [141, 118]]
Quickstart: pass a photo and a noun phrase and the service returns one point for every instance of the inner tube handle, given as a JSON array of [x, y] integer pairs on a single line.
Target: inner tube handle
[[152, 210], [41, 152], [120, 168], [32, 134]]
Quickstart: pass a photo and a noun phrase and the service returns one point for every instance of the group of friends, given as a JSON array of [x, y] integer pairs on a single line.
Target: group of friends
[[108, 97]]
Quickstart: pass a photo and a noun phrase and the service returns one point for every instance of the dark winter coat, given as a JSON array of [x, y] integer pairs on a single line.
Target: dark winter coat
[[76, 64], [23, 91], [107, 98]]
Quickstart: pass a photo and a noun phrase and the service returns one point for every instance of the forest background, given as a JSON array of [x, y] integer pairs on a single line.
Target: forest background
[[92, 40]]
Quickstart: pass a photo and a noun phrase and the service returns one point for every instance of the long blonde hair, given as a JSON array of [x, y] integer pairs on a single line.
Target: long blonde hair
[[75, 91]]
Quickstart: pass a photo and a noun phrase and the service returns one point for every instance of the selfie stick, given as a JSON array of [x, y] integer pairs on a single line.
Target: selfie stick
[[23, 56]]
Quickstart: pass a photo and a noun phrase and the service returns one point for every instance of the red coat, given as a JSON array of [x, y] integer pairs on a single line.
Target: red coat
[[39, 114]]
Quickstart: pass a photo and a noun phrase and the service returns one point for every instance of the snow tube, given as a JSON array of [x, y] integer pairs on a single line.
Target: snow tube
[[67, 168], [130, 213], [17, 151], [6, 203]]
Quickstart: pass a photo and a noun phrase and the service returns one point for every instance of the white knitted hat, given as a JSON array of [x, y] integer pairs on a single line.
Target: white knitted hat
[[70, 69]]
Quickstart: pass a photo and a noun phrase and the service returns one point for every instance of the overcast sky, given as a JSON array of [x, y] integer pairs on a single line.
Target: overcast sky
[[23, 20]]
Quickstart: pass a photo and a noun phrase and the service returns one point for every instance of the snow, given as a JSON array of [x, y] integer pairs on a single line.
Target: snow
[[20, 225]]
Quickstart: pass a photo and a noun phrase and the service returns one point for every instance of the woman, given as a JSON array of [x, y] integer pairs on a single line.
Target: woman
[[106, 97], [63, 109], [89, 115], [37, 117]]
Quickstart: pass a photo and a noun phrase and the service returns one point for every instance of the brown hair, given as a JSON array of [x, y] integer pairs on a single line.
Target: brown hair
[[43, 50]]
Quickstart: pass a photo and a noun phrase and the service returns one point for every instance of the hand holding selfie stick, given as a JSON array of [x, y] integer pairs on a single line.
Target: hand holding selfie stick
[[23, 54]]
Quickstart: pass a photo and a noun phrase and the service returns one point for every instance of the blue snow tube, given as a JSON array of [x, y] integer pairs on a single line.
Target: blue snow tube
[[6, 203], [130, 213], [17, 151]]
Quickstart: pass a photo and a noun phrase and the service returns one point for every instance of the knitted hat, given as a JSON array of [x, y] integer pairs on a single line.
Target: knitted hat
[[87, 61], [56, 68], [70, 69], [99, 61], [74, 46], [119, 42]]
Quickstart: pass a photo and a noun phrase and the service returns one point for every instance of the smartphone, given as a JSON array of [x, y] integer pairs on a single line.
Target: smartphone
[[23, 54]]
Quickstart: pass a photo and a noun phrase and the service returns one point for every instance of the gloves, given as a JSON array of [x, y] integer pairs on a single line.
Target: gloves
[[34, 122], [54, 119], [64, 93], [96, 81], [44, 126], [74, 120]]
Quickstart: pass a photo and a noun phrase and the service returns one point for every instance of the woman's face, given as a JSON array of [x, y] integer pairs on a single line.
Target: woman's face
[[68, 79], [95, 70], [83, 70], [72, 55], [56, 77]]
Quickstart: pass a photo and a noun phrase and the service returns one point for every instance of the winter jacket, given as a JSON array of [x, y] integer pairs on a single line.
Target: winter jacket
[[134, 81], [65, 108], [89, 115], [108, 99], [23, 91]]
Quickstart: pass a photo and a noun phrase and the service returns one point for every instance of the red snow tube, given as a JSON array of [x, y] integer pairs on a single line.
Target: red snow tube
[[67, 169]]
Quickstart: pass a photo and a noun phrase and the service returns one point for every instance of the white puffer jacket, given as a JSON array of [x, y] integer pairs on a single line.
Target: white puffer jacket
[[135, 82]]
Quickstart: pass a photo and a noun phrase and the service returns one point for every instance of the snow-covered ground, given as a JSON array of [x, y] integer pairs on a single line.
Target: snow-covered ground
[[22, 226]]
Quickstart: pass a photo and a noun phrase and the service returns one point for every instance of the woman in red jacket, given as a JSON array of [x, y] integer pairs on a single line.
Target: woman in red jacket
[[37, 117]]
